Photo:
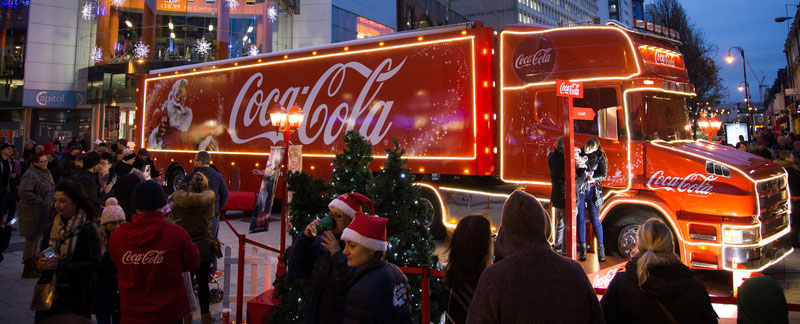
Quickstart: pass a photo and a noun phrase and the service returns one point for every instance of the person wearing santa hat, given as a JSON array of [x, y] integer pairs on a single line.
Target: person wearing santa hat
[[310, 259], [378, 292]]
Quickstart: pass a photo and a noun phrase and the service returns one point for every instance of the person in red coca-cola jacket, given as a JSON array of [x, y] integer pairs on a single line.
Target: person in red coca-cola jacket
[[150, 256]]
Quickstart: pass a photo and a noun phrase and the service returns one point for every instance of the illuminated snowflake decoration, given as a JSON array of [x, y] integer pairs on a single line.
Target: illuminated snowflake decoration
[[202, 46], [253, 50], [87, 12], [97, 54], [141, 50], [118, 3], [232, 4], [272, 14]]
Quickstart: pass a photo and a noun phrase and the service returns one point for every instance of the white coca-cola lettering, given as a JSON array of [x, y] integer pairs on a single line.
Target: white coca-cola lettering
[[664, 58], [373, 125], [693, 183], [603, 281], [541, 56], [572, 89], [149, 257]]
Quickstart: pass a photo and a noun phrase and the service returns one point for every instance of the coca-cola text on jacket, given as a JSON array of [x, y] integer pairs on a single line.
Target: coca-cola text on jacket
[[149, 257]]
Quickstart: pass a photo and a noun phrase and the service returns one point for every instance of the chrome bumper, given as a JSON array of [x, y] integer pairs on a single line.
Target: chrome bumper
[[756, 258]]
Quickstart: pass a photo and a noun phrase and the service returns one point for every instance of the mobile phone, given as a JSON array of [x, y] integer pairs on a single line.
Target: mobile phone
[[49, 253], [13, 221]]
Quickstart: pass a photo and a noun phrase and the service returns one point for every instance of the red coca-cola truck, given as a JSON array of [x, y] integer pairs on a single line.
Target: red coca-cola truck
[[477, 112]]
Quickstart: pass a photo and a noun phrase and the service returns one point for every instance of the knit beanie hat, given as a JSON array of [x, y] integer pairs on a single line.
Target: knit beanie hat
[[148, 195], [350, 203], [112, 212], [367, 231]]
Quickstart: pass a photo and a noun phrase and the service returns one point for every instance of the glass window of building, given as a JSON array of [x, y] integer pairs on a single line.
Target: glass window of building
[[349, 26]]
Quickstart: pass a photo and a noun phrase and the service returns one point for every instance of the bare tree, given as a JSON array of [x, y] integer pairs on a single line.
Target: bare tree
[[698, 55]]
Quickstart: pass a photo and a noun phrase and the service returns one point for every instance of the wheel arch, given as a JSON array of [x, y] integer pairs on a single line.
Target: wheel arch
[[618, 209]]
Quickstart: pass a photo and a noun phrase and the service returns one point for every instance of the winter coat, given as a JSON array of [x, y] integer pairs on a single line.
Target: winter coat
[[122, 168], [309, 260], [558, 190], [597, 164], [52, 166], [76, 278], [140, 164], [194, 212], [761, 300], [111, 177], [529, 283], [66, 166], [458, 300], [378, 293], [106, 298], [674, 285], [124, 191], [35, 201], [215, 182], [89, 182], [150, 256]]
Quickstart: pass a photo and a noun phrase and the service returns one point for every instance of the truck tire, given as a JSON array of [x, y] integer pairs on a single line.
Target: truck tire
[[174, 178], [623, 235], [435, 224]]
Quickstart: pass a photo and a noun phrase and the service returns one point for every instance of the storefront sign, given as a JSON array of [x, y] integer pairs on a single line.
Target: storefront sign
[[52, 98]]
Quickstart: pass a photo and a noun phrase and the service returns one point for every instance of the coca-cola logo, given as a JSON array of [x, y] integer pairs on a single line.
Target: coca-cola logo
[[694, 183], [149, 257], [534, 58], [252, 104], [664, 58], [570, 89]]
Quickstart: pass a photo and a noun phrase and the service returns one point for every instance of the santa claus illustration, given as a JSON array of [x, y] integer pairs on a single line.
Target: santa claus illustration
[[173, 118]]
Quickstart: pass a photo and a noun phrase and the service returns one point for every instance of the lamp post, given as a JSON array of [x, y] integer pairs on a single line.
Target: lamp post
[[747, 100], [286, 123]]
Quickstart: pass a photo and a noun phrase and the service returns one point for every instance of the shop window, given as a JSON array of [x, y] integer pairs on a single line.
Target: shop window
[[604, 103]]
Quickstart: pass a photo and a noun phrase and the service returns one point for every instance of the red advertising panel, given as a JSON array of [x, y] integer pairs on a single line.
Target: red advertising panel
[[565, 88], [420, 93]]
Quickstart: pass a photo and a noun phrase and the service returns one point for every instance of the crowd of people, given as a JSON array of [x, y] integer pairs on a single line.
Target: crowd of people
[[102, 237]]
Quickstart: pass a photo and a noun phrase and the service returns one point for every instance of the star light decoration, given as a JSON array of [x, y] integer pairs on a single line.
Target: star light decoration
[[141, 50], [118, 3], [202, 46], [97, 54], [253, 50], [87, 12], [272, 14], [232, 4]]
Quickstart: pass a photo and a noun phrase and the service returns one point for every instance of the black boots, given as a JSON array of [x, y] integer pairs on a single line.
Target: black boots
[[601, 253], [582, 255]]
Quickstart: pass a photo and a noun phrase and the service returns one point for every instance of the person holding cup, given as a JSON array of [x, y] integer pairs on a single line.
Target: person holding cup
[[311, 259]]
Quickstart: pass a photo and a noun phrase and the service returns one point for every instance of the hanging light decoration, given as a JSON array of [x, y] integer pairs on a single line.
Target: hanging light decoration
[[272, 14], [232, 4], [87, 11], [118, 3], [202, 46], [97, 54], [253, 50], [141, 50]]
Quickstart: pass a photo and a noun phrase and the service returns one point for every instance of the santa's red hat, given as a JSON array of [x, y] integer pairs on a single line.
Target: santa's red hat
[[367, 231], [350, 203]]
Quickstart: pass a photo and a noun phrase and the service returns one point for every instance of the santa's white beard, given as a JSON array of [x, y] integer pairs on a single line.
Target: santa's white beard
[[179, 116]]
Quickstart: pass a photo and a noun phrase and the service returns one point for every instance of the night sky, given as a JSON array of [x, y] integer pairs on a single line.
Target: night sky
[[751, 25]]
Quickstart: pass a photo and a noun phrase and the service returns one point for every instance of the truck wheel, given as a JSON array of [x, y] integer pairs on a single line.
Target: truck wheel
[[624, 233], [434, 223], [174, 178]]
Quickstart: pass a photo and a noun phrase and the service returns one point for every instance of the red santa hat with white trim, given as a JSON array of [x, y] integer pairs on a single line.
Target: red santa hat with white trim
[[368, 231], [350, 203]]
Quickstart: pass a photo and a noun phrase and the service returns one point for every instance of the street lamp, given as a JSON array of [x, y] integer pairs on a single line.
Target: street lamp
[[286, 123], [746, 86], [714, 125]]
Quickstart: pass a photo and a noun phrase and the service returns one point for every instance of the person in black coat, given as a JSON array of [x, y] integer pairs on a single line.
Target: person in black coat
[[590, 200], [558, 190], [378, 292], [124, 191], [86, 176], [310, 260], [655, 286]]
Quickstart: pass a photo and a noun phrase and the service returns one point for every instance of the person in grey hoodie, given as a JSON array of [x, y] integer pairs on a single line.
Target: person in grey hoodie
[[529, 282]]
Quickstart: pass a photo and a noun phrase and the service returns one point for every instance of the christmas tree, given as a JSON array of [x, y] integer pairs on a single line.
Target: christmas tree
[[410, 244], [351, 167], [309, 201]]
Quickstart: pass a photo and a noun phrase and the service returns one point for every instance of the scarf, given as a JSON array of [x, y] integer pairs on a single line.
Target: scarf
[[62, 235]]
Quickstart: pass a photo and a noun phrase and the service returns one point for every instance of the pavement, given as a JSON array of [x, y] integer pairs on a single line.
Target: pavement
[[16, 293]]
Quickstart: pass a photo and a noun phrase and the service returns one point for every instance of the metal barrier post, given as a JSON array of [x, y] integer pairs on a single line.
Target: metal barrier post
[[240, 280]]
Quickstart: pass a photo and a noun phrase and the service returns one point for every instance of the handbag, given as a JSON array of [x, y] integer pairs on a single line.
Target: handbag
[[216, 245], [43, 294]]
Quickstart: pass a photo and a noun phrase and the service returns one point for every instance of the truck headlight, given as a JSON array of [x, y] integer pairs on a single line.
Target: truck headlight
[[740, 235]]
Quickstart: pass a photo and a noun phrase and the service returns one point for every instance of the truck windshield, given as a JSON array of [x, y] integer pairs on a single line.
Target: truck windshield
[[658, 116]]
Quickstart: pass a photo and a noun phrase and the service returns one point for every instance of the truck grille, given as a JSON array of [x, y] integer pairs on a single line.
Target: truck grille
[[773, 196]]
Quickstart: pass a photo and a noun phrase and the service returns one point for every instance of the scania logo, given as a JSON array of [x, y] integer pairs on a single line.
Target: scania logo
[[534, 58], [42, 98]]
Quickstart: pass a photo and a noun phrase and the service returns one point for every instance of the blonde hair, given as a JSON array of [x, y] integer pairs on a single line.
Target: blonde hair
[[656, 247]]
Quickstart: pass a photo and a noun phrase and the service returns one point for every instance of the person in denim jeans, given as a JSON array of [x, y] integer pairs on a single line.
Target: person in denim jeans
[[591, 198]]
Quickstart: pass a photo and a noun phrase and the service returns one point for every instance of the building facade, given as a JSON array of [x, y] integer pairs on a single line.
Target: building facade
[[499, 13], [415, 14], [792, 50]]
